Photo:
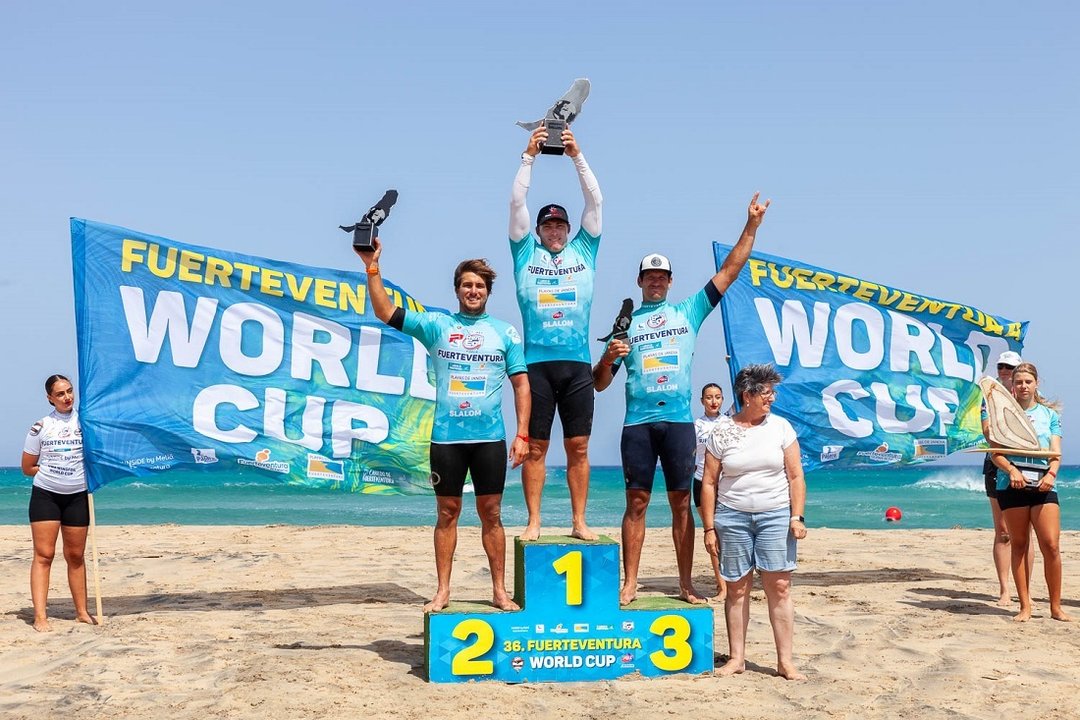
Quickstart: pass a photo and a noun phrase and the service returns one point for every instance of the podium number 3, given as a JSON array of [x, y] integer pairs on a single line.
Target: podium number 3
[[570, 566], [465, 662], [675, 641]]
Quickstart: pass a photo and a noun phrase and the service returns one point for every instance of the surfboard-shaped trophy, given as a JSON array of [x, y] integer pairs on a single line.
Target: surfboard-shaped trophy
[[560, 115], [1009, 428]]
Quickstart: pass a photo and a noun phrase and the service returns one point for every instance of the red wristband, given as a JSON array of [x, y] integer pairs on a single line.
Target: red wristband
[[523, 437]]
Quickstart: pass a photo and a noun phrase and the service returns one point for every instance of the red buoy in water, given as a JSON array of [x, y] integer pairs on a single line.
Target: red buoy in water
[[893, 514]]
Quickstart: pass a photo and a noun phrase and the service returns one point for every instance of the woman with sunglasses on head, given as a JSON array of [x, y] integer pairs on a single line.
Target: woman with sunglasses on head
[[753, 497], [1025, 492], [53, 457], [1006, 363]]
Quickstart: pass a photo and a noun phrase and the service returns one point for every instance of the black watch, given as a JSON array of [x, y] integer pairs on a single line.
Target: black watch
[[800, 518]]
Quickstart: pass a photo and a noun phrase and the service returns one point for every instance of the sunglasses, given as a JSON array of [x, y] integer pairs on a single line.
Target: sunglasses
[[1005, 366]]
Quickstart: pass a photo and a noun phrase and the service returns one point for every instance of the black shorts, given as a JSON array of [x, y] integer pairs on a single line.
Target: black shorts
[[565, 385], [485, 462], [1012, 498], [990, 477], [72, 510], [673, 443], [697, 493]]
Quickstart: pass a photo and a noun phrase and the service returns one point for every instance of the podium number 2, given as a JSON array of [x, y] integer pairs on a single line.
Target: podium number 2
[[681, 652], [570, 566], [465, 662]]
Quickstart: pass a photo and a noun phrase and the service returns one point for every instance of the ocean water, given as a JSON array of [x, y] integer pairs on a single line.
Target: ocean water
[[932, 496]]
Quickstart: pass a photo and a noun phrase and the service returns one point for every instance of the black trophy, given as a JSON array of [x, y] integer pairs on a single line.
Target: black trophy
[[365, 231], [621, 326], [554, 144]]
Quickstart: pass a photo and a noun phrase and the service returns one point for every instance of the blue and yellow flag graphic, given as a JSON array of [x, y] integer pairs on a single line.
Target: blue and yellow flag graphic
[[208, 360]]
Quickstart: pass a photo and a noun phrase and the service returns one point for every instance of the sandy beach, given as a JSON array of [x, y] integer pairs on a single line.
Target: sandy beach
[[324, 622]]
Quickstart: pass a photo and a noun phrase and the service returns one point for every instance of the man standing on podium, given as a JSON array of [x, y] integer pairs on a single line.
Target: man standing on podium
[[659, 426], [554, 274]]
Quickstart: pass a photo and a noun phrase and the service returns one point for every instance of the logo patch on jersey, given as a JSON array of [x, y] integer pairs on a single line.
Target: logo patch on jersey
[[656, 321], [473, 341], [561, 297], [661, 380], [556, 315], [465, 405], [656, 361], [455, 337], [468, 385], [36, 428], [325, 468], [512, 333]]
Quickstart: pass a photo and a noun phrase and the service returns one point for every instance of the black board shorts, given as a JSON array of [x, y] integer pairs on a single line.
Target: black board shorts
[[672, 443], [72, 510], [484, 461], [567, 386], [1013, 498]]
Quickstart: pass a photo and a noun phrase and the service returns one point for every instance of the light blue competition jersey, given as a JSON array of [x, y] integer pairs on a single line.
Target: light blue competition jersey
[[554, 292], [471, 354], [1047, 424], [662, 339]]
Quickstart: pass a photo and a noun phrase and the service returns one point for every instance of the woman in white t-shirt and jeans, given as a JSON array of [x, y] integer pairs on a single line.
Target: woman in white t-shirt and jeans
[[754, 513], [53, 457]]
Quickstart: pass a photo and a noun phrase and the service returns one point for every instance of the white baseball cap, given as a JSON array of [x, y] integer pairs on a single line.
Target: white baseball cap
[[655, 261], [1009, 358]]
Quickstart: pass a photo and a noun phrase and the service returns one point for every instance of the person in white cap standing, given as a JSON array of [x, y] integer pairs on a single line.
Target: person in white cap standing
[[659, 424], [1006, 363]]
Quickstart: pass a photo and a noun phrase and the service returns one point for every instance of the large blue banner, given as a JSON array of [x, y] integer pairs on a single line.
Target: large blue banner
[[196, 358], [873, 375]]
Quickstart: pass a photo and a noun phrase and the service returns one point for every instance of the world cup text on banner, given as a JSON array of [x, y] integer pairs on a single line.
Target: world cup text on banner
[[221, 362], [873, 375]]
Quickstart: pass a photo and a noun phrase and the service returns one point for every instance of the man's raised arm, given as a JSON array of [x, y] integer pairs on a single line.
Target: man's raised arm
[[733, 263], [520, 222], [591, 217]]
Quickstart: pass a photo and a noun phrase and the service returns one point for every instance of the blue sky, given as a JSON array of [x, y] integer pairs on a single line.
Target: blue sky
[[929, 146]]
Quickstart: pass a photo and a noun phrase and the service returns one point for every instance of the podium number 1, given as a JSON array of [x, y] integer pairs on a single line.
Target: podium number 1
[[570, 566]]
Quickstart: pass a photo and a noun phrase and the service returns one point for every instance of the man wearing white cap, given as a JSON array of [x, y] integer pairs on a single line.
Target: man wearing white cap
[[659, 424]]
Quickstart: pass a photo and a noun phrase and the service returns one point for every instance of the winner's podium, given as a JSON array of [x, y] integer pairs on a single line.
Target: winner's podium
[[570, 626]]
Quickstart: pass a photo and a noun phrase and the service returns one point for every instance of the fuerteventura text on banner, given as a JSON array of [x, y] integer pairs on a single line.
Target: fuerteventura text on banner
[[203, 359], [873, 375]]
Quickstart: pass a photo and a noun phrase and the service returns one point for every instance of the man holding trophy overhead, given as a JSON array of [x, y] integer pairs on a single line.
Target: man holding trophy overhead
[[554, 272]]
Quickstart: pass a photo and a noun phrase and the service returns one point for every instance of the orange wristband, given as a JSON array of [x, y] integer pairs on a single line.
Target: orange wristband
[[373, 269]]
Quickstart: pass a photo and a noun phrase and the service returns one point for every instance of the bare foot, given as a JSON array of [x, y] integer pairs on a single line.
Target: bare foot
[[85, 618], [1059, 614], [1005, 599], [628, 594], [719, 598], [532, 532], [789, 672], [1023, 616], [582, 532], [504, 602], [731, 667], [691, 596], [42, 625], [440, 601]]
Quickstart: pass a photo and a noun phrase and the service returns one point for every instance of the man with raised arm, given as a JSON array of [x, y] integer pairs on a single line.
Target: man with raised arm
[[554, 274], [659, 424], [472, 353]]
